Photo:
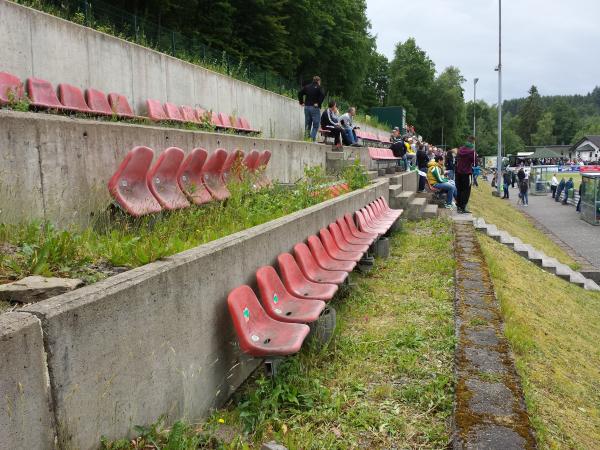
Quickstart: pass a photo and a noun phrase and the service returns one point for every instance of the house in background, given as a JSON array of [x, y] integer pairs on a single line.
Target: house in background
[[587, 148]]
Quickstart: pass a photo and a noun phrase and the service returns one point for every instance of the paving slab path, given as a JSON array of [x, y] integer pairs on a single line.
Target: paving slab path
[[489, 410]]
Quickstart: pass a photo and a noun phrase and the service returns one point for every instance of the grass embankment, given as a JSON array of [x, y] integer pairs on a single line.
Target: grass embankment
[[384, 381], [507, 217], [554, 330]]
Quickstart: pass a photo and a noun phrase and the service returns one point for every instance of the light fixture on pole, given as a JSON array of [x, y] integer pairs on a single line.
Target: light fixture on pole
[[499, 69], [475, 81]]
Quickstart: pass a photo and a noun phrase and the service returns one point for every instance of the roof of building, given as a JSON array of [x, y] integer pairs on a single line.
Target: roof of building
[[593, 138], [548, 151]]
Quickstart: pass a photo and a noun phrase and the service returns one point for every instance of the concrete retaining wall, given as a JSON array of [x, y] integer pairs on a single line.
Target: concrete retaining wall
[[57, 168], [158, 339], [26, 421]]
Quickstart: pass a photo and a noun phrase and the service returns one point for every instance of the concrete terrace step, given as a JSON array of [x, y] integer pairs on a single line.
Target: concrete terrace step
[[395, 189], [371, 174], [415, 208], [402, 199], [430, 212]]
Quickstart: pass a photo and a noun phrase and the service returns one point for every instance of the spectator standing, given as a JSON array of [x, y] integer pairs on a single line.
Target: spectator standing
[[465, 159], [348, 133], [578, 209], [553, 185], [524, 192], [422, 163], [506, 179], [476, 173], [450, 163], [410, 152], [559, 189], [436, 180], [568, 186], [513, 178], [330, 121], [311, 97]]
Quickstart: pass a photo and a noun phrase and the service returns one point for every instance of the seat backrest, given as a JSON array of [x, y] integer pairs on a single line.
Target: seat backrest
[[211, 174], [328, 241], [337, 234], [245, 124], [188, 114], [172, 112], [264, 158], [350, 222], [290, 271], [97, 101], [362, 221], [156, 111], [239, 124], [214, 119], [251, 161], [247, 315], [270, 287], [41, 93], [373, 153], [120, 105], [201, 114], [162, 179], [71, 97], [225, 120], [189, 177], [128, 185], [306, 261], [11, 88], [233, 164], [316, 248]]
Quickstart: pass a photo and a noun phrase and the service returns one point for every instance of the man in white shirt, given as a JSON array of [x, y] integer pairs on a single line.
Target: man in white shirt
[[553, 185]]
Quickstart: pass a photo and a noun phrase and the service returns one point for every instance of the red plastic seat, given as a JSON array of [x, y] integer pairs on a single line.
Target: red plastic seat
[[343, 243], [365, 226], [72, 98], [11, 88], [280, 304], [295, 281], [173, 113], [201, 114], [189, 177], [120, 106], [162, 179], [42, 95], [356, 232], [263, 162], [156, 112], [382, 201], [128, 185], [311, 269], [323, 258], [233, 165], [362, 239], [188, 114], [239, 125], [375, 218], [334, 250], [215, 121], [211, 175], [246, 125], [260, 335], [251, 161], [381, 206], [225, 120], [98, 102]]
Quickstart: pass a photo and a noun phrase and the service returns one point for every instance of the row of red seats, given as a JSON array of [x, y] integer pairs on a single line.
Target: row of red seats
[[368, 136], [70, 98], [175, 182], [41, 94], [276, 326], [187, 114]]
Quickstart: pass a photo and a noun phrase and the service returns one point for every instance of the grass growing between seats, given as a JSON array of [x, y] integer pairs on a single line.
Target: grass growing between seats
[[506, 217], [386, 378], [554, 330]]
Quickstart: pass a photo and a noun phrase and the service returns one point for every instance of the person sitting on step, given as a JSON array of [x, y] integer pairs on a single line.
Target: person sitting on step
[[438, 181], [330, 121]]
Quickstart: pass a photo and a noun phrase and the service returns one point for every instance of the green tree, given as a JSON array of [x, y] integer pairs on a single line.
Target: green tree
[[544, 134], [447, 112], [375, 87], [530, 115], [590, 127], [566, 121]]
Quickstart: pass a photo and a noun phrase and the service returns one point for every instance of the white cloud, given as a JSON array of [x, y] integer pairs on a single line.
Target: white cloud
[[552, 44]]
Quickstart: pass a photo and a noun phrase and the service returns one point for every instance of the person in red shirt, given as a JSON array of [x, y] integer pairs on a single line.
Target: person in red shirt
[[466, 158]]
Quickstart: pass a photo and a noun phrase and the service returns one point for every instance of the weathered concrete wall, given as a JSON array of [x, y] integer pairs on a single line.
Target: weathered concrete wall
[[57, 168], [158, 339], [26, 420], [36, 44]]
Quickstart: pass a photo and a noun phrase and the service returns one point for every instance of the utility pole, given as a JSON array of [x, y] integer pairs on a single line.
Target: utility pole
[[475, 81], [499, 69]]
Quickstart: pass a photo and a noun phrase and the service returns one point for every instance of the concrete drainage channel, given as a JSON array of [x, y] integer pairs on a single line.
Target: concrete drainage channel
[[489, 406], [547, 263]]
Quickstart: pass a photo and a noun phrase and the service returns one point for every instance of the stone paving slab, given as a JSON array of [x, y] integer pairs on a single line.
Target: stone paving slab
[[489, 410]]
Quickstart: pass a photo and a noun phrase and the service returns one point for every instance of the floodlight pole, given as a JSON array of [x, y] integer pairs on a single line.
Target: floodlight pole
[[474, 110], [499, 162]]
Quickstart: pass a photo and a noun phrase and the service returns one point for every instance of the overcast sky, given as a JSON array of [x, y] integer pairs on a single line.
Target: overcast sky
[[554, 44]]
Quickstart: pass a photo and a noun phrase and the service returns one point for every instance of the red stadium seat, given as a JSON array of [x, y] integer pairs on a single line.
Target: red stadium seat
[[366, 227], [188, 114], [232, 167], [246, 125], [225, 120], [72, 98], [211, 175], [366, 239], [384, 209], [42, 95], [251, 161], [120, 106], [201, 114], [263, 162], [215, 121], [311, 269], [375, 219], [189, 177], [128, 185], [280, 304], [334, 250], [173, 113], [162, 179], [343, 243], [11, 88], [356, 232], [260, 335], [324, 260], [98, 102], [295, 281], [156, 112]]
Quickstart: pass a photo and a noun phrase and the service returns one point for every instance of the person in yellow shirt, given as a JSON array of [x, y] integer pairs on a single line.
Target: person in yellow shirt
[[438, 181]]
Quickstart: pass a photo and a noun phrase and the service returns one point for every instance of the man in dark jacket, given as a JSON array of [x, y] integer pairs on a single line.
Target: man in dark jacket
[[465, 159], [330, 121], [568, 186], [422, 162], [559, 189], [311, 97], [507, 178], [398, 148]]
